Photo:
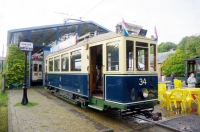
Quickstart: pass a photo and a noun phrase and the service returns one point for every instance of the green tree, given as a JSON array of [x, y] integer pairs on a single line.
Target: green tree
[[15, 65], [174, 63], [191, 45], [166, 46]]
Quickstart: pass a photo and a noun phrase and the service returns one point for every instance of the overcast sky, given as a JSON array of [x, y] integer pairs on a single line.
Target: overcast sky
[[173, 19]]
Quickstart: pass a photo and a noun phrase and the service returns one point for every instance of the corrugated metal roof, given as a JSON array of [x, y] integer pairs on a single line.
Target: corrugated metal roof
[[163, 56], [55, 25]]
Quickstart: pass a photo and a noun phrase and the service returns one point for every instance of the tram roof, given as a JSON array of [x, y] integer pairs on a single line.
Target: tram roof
[[108, 36], [195, 58], [100, 37]]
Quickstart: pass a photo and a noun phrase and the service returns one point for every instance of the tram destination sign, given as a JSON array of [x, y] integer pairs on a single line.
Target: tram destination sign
[[132, 27], [26, 46]]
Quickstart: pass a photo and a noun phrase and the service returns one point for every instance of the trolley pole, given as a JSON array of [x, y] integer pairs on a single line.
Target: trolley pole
[[25, 99]]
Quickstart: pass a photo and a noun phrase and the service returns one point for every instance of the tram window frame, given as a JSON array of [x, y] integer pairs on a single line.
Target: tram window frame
[[65, 57], [57, 63], [35, 67], [129, 55], [40, 67], [76, 55], [198, 66], [51, 64], [192, 66], [153, 55], [142, 50], [113, 65], [46, 65]]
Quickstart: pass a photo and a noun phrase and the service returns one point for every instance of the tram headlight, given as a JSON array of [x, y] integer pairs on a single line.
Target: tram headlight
[[145, 93]]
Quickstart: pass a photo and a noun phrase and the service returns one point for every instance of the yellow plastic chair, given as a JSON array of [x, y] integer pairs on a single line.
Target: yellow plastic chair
[[198, 104], [165, 99], [162, 95], [187, 99], [181, 96], [164, 102], [161, 91], [174, 97], [177, 84]]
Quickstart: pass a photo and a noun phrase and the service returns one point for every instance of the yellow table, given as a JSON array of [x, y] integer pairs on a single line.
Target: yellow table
[[194, 90]]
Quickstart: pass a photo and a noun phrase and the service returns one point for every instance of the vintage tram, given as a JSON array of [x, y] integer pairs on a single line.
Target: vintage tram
[[129, 80], [36, 78], [192, 65]]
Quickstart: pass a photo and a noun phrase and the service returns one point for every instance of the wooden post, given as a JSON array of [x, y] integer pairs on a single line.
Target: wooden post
[[3, 83]]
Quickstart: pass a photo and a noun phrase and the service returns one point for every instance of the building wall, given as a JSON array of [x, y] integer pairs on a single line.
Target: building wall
[[159, 71]]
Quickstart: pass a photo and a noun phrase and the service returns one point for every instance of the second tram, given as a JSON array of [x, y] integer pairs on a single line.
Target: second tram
[[192, 65]]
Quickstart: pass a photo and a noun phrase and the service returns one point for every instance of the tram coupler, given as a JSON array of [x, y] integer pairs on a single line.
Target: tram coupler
[[155, 116]]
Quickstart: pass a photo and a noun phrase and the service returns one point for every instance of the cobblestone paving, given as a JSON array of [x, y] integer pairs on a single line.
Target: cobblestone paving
[[49, 116]]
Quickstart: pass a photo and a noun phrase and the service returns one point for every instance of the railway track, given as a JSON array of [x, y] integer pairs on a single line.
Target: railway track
[[158, 125]]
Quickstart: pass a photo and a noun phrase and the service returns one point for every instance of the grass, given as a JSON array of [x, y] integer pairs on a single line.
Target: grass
[[4, 111], [29, 104], [4, 99]]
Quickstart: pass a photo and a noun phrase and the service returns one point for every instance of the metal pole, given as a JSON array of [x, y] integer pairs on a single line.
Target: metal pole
[[2, 66], [2, 59], [25, 99]]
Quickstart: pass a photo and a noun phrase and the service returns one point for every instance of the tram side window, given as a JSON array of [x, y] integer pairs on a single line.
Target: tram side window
[[40, 67], [51, 64], [76, 60], [191, 66], [153, 57], [65, 62], [35, 66], [198, 66], [142, 56], [129, 55], [113, 56], [57, 63]]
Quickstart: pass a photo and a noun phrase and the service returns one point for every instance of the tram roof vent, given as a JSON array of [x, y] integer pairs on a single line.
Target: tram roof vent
[[132, 29], [88, 35]]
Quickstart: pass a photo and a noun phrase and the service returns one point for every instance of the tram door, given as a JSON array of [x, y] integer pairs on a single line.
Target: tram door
[[95, 53], [191, 67]]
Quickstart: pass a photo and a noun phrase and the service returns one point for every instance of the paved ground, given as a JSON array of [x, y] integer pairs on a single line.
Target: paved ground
[[185, 123], [47, 116], [56, 115]]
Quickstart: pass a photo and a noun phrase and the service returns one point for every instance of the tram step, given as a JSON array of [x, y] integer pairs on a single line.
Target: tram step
[[96, 107]]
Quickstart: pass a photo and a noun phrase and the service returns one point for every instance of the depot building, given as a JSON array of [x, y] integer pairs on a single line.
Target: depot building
[[46, 37]]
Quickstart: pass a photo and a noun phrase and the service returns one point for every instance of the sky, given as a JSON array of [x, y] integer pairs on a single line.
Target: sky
[[174, 19]]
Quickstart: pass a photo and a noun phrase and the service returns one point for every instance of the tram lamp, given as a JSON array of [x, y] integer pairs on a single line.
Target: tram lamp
[[26, 46]]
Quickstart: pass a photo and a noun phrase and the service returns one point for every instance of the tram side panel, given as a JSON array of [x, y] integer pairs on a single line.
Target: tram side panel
[[129, 89], [74, 83]]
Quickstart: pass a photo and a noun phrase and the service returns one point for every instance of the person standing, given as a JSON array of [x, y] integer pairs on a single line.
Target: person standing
[[98, 67], [192, 83], [172, 80]]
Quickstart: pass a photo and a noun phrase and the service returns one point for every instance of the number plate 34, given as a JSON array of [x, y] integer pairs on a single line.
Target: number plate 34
[[142, 81]]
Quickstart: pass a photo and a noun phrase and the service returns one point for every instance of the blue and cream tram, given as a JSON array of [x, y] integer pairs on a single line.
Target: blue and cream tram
[[129, 79]]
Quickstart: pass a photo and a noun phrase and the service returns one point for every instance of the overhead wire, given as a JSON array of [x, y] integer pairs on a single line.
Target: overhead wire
[[92, 9]]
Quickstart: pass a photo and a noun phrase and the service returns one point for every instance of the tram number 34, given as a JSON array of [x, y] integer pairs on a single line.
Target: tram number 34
[[142, 81]]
